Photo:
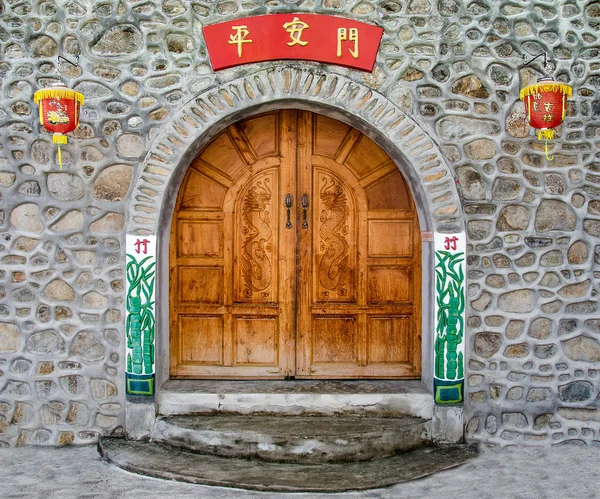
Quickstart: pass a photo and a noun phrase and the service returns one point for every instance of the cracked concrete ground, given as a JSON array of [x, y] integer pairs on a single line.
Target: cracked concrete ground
[[532, 473]]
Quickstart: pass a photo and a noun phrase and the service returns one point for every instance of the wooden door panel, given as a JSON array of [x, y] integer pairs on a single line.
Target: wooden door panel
[[201, 339], [389, 285], [262, 133], [365, 157], [256, 341], [200, 285], [389, 339], [200, 238], [361, 319], [201, 192], [388, 191], [231, 283], [334, 340], [223, 156], [390, 238]]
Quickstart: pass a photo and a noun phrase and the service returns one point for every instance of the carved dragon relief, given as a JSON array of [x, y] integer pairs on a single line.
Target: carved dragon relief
[[334, 261], [256, 247]]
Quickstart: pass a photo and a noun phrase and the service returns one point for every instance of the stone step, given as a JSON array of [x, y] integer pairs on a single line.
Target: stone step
[[366, 397], [172, 463], [298, 439]]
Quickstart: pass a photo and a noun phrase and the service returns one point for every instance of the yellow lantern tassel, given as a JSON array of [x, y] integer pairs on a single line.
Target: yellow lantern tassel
[[59, 138], [549, 158]]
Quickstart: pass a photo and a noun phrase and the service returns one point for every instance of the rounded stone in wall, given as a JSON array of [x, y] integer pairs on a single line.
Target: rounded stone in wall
[[578, 253], [73, 384], [553, 214], [479, 230], [7, 179], [500, 74], [103, 389], [582, 348], [93, 90], [487, 344], [109, 223], [26, 217], [470, 86], [483, 302], [43, 46], [554, 184], [59, 290], [514, 329], [471, 183], [93, 299], [513, 217], [112, 184], [179, 43], [88, 347], [577, 391], [576, 290], [506, 189], [130, 145], [73, 220], [79, 414], [122, 39], [519, 301], [10, 338], [541, 328], [552, 258], [457, 127], [517, 351], [480, 149], [65, 186], [46, 343], [516, 121]]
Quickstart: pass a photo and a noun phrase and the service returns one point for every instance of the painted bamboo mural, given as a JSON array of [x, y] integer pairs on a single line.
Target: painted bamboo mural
[[140, 317], [449, 318]]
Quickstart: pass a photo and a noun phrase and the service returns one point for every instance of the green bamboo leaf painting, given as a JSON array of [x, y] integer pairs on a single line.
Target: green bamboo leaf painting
[[140, 321], [449, 286]]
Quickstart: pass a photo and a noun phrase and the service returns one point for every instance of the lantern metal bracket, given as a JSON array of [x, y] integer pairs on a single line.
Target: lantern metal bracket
[[547, 68], [76, 63]]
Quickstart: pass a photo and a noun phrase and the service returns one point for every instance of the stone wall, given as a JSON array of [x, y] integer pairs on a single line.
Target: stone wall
[[533, 224]]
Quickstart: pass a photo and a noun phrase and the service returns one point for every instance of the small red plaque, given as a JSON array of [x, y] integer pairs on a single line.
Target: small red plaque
[[313, 37]]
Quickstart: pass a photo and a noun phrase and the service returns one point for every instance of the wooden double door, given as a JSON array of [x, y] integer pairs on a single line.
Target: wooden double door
[[295, 251]]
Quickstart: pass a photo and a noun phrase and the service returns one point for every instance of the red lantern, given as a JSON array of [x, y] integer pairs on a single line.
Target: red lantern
[[546, 105], [59, 112]]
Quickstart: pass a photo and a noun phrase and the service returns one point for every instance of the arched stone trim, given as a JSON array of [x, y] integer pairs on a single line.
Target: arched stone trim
[[419, 158], [296, 86]]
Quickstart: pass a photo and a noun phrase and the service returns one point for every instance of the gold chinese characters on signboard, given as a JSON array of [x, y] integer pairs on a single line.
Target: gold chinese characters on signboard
[[295, 28]]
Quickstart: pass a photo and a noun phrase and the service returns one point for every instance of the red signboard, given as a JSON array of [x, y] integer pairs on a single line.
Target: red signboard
[[314, 37]]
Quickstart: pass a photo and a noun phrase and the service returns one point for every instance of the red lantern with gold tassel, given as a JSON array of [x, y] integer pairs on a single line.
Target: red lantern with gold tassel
[[59, 112], [546, 105]]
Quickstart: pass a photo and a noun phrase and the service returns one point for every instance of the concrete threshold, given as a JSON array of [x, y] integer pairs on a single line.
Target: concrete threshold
[[295, 397]]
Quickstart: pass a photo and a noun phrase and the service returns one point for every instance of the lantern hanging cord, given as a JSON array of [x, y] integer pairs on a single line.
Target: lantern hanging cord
[[547, 69], [76, 63]]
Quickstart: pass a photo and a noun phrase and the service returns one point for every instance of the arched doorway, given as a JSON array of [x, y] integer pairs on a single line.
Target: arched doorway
[[295, 251]]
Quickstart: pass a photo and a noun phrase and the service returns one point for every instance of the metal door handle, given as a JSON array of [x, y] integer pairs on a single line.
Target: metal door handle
[[304, 208], [288, 201]]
